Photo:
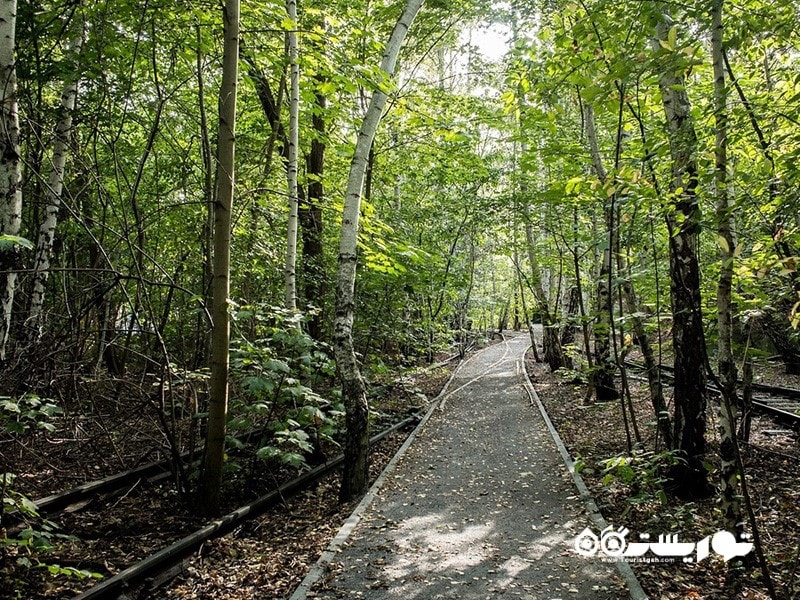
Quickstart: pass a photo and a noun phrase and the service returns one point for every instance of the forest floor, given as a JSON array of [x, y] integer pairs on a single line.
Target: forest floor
[[268, 557], [270, 554], [596, 433]]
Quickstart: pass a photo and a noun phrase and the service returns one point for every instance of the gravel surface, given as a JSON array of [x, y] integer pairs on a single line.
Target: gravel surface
[[480, 506]]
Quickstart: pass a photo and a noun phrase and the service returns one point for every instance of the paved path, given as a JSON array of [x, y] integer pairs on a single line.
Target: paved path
[[481, 506]]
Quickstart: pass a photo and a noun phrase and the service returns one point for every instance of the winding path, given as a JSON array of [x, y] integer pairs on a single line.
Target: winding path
[[481, 505]]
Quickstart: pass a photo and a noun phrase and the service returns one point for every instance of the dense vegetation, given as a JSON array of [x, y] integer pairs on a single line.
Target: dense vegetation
[[616, 172]]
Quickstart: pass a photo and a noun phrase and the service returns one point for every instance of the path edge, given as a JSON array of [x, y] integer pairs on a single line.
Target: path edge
[[634, 587], [334, 547]]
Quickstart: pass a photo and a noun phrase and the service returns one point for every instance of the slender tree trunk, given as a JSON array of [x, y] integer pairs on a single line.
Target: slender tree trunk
[[551, 342], [271, 107], [729, 472], [10, 170], [292, 163], [576, 263], [526, 315], [55, 186], [603, 373], [683, 222], [355, 474], [311, 220], [220, 336], [203, 342], [651, 365]]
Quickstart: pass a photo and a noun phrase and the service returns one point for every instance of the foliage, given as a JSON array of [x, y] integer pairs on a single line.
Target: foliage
[[643, 472], [12, 242], [472, 155], [35, 536], [273, 372], [27, 413]]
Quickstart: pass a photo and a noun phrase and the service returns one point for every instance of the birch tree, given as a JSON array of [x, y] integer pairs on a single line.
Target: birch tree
[[291, 166], [683, 221], [220, 335], [551, 342], [55, 186], [729, 472], [355, 476], [603, 376], [10, 173]]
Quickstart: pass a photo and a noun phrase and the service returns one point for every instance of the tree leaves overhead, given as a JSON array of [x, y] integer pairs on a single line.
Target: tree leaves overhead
[[464, 141]]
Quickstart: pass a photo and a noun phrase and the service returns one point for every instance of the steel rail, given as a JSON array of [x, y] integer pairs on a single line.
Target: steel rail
[[152, 472], [175, 552], [780, 413]]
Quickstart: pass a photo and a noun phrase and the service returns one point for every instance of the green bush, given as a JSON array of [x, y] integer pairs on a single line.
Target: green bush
[[274, 365]]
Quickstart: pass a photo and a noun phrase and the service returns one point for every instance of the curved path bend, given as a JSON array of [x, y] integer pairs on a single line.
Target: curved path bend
[[480, 506]]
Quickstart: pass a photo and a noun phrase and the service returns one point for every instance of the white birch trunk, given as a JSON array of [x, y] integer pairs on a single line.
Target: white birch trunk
[[729, 471], [291, 166], [55, 186], [355, 476], [10, 173]]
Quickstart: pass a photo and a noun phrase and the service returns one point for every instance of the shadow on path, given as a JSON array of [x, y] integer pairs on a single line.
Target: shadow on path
[[480, 506]]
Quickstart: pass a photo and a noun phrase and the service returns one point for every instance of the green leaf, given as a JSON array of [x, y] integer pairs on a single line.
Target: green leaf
[[673, 37], [277, 365], [268, 453], [28, 506], [294, 460], [258, 385], [9, 405], [11, 242]]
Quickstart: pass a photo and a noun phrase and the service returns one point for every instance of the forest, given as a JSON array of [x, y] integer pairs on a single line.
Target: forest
[[238, 238]]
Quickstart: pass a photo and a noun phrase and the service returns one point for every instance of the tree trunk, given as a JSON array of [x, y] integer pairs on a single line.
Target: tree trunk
[[355, 474], [551, 342], [603, 373], [660, 409], [729, 472], [203, 341], [683, 222], [576, 264], [220, 335], [10, 170], [526, 315], [55, 186], [291, 166], [569, 327], [311, 220]]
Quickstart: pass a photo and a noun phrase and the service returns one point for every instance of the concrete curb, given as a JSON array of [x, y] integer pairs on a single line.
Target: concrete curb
[[320, 567], [634, 587]]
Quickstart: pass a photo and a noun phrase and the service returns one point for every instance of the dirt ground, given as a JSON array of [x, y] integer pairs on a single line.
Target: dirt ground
[[594, 434], [268, 557], [270, 554]]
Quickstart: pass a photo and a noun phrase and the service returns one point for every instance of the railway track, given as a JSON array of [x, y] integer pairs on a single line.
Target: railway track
[[783, 403], [114, 485], [159, 568], [173, 554], [152, 472]]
